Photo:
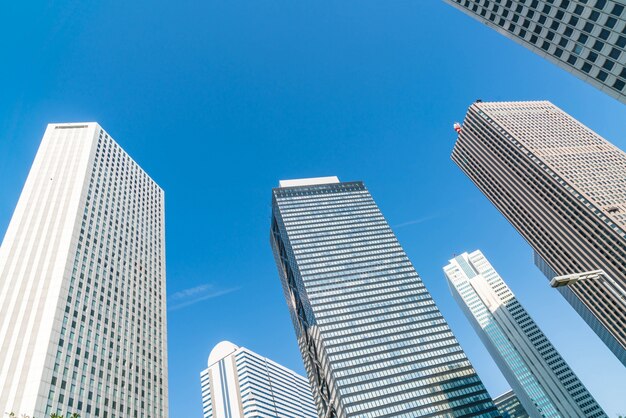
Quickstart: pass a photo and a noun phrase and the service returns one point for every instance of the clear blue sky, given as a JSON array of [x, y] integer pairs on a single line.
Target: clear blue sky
[[218, 100]]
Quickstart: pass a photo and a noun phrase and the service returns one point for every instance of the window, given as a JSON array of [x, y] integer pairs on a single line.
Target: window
[[598, 45], [615, 53], [617, 10], [608, 65]]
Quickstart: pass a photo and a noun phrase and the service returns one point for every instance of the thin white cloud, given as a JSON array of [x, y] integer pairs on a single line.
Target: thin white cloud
[[416, 221], [193, 295]]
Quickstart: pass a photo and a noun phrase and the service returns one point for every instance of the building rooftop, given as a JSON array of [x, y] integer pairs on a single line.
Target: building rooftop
[[308, 182], [220, 351]]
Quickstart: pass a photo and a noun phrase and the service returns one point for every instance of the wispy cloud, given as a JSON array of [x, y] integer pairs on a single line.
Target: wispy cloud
[[193, 295], [416, 221]]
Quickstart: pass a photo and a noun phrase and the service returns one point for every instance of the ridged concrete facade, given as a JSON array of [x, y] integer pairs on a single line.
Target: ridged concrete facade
[[585, 38], [82, 284], [242, 384], [562, 187], [372, 339], [542, 380]]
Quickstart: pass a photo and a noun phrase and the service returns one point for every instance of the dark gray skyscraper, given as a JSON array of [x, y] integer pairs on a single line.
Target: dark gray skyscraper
[[372, 339], [586, 38], [563, 188]]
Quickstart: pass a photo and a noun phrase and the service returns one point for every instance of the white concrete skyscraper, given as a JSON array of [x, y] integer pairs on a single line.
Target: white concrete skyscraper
[[240, 383], [373, 342], [82, 284], [541, 379]]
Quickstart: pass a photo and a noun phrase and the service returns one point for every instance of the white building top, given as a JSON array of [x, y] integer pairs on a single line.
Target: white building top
[[221, 350], [240, 383], [308, 182]]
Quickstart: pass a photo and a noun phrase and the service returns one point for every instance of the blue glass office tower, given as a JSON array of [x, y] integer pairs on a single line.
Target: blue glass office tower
[[541, 379], [373, 342]]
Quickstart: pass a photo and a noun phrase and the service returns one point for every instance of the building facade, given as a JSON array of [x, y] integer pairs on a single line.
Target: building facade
[[372, 339], [509, 406], [541, 379], [562, 187], [239, 383], [586, 38], [82, 284]]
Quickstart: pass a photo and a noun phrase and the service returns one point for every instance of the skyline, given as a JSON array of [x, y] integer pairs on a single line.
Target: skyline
[[232, 126]]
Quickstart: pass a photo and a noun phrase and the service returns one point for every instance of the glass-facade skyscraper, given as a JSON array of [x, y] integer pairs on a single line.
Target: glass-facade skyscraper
[[509, 406], [586, 38], [239, 383], [82, 284], [541, 379], [372, 339], [561, 186]]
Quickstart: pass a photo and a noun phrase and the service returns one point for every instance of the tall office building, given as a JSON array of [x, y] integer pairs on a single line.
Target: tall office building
[[371, 337], [240, 383], [82, 284], [586, 38], [562, 187], [509, 406], [541, 379]]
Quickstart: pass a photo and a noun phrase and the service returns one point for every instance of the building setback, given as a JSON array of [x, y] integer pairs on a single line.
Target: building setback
[[82, 284], [586, 38], [242, 384], [371, 337], [509, 406], [562, 187], [541, 379]]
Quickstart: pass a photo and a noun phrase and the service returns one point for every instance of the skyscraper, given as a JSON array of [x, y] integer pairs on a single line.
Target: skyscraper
[[562, 187], [240, 383], [586, 38], [371, 337], [82, 284], [541, 379], [509, 406]]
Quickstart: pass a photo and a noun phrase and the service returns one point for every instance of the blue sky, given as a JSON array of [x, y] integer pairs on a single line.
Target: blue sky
[[218, 100]]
